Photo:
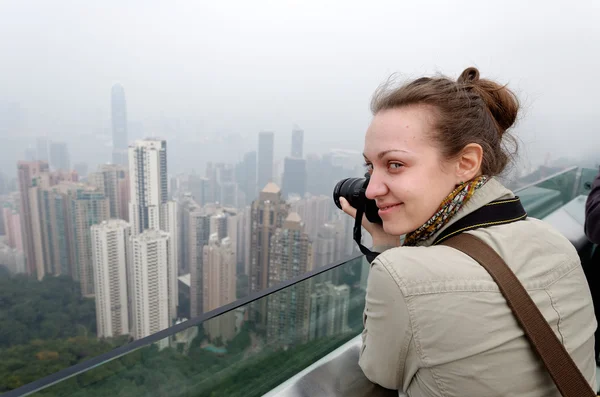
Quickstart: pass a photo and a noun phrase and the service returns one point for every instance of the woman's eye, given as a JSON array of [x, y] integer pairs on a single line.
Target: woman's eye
[[369, 167], [395, 166]]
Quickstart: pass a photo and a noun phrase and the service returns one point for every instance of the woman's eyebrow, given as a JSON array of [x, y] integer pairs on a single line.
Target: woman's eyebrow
[[381, 154]]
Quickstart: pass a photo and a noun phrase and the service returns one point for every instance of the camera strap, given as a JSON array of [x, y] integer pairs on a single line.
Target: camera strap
[[370, 255], [497, 212]]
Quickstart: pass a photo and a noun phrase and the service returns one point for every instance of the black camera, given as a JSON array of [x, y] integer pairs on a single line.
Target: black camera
[[353, 190]]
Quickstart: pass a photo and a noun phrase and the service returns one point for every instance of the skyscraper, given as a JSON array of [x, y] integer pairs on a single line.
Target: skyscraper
[[149, 282], [268, 213], [199, 187], [27, 173], [12, 228], [56, 229], [66, 211], [199, 230], [148, 184], [265, 159], [220, 285], [89, 207], [149, 207], [245, 175], [59, 156], [297, 143], [110, 240], [113, 180], [315, 211], [294, 177], [119, 124], [291, 256]]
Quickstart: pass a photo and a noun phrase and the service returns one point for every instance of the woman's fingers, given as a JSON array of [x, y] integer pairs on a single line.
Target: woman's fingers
[[347, 208]]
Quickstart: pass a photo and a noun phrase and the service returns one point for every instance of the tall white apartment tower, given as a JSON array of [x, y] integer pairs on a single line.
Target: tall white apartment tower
[[149, 282], [149, 207], [110, 240]]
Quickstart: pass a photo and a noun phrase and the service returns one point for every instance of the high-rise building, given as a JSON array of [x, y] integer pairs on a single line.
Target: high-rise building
[[186, 205], [119, 124], [315, 211], [56, 229], [12, 259], [329, 306], [268, 213], [110, 241], [294, 177], [59, 156], [149, 282], [148, 183], [297, 143], [291, 256], [265, 159], [245, 175], [43, 219], [229, 195], [244, 240], [169, 218], [220, 285], [12, 228], [89, 207], [199, 231], [27, 175], [199, 224], [149, 207], [65, 213], [113, 180], [199, 187]]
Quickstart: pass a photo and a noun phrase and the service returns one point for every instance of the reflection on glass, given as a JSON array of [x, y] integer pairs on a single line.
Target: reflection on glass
[[241, 352]]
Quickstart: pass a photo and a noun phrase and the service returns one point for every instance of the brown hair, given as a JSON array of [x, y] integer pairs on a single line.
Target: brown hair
[[469, 110]]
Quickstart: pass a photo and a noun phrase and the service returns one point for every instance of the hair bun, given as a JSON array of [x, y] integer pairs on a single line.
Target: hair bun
[[469, 75], [501, 102]]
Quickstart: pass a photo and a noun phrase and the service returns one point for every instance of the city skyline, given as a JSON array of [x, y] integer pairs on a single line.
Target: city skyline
[[167, 224]]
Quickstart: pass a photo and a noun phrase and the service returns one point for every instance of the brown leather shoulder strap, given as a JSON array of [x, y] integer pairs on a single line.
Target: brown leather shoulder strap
[[567, 377]]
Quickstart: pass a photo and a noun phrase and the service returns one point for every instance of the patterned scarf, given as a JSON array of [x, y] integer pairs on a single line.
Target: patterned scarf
[[449, 207]]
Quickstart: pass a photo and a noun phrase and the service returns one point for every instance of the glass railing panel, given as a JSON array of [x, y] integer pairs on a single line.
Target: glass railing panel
[[546, 196], [245, 351], [585, 180]]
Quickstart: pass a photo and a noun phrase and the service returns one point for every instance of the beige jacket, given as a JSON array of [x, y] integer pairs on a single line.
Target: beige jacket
[[437, 325]]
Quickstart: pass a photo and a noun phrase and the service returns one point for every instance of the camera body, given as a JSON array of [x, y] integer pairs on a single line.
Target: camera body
[[353, 190]]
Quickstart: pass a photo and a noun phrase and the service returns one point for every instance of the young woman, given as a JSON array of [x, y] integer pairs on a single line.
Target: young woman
[[435, 321]]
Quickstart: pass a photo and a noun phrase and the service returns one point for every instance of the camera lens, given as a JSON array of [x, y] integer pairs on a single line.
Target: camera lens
[[348, 188]]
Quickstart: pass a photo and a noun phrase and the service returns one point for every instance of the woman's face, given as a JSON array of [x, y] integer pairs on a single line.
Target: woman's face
[[409, 177]]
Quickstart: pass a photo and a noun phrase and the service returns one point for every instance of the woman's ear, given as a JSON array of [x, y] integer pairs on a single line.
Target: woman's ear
[[468, 164]]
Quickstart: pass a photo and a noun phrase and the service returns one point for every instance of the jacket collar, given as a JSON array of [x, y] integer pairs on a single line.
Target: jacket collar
[[492, 190]]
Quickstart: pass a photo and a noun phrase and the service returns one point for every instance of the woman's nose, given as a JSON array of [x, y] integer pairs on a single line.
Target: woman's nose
[[376, 187]]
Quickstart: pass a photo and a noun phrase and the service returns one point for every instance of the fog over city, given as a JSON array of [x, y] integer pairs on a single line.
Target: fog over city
[[167, 225], [208, 76]]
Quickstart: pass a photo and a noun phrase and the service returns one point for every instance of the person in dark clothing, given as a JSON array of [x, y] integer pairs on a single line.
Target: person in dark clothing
[[592, 270]]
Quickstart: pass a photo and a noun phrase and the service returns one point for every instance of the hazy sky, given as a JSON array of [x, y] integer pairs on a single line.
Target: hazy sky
[[215, 68]]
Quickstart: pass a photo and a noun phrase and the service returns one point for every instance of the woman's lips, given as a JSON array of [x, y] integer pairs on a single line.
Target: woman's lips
[[388, 209]]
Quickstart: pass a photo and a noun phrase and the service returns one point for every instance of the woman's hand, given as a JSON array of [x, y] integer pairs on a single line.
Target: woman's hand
[[380, 237]]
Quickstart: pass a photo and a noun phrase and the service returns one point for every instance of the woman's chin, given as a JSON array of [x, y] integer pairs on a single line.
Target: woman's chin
[[393, 230]]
